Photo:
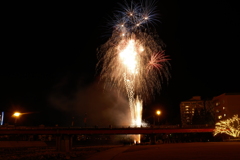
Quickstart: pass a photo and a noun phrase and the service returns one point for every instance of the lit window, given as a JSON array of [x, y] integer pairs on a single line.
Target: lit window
[[186, 109], [225, 115], [220, 117], [224, 108], [186, 106], [217, 104], [217, 110]]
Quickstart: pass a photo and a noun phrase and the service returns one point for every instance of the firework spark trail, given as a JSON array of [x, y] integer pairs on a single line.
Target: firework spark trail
[[133, 60], [134, 104], [128, 57], [130, 92], [137, 112]]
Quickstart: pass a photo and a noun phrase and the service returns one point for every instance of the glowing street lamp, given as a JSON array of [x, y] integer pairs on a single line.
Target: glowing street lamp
[[158, 112], [16, 115]]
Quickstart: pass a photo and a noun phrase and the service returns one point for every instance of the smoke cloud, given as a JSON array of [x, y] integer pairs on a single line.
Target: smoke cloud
[[90, 104]]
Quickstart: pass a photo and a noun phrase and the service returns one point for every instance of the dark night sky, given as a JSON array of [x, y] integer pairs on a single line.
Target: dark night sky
[[48, 58]]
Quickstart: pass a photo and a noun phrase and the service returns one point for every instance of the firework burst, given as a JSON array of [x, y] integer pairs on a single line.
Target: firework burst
[[138, 57], [133, 60], [156, 61], [134, 16]]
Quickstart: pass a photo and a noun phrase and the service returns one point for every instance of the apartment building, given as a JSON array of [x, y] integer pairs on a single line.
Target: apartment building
[[187, 109], [226, 106]]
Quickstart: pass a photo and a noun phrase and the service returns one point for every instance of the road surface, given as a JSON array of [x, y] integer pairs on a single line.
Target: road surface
[[173, 151]]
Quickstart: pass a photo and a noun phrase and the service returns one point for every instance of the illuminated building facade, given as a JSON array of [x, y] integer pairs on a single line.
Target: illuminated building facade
[[187, 109], [226, 106]]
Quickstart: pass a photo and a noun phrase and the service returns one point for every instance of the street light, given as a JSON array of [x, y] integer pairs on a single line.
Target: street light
[[16, 115], [158, 112]]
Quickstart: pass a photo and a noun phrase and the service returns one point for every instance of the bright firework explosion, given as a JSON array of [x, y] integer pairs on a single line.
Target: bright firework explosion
[[230, 126], [133, 59]]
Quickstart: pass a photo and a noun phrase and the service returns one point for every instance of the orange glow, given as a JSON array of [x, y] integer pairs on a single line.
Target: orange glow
[[158, 112], [16, 114]]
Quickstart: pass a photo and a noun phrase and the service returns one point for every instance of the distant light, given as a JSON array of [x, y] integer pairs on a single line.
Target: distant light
[[158, 112], [17, 114]]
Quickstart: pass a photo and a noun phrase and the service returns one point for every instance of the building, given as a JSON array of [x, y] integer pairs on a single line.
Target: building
[[226, 106], [198, 111], [188, 109]]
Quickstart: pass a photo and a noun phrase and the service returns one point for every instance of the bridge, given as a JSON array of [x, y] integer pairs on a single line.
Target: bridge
[[85, 131], [64, 135]]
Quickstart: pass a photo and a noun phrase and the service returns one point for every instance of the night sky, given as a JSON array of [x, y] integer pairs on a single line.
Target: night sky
[[48, 59]]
